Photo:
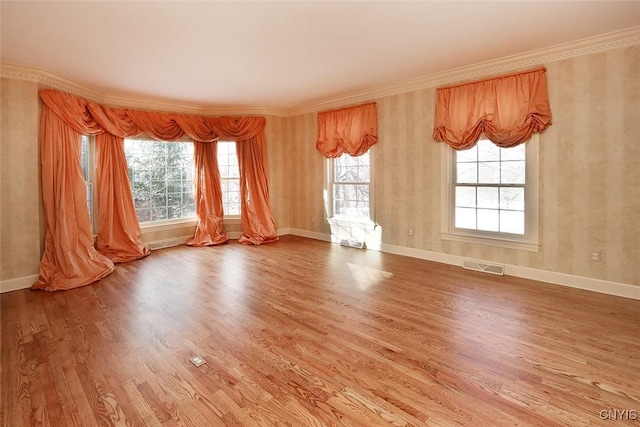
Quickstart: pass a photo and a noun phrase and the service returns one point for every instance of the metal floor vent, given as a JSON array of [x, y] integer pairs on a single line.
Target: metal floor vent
[[352, 243], [160, 244], [197, 361], [470, 264]]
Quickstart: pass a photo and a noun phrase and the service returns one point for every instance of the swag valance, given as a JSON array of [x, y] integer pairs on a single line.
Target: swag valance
[[89, 118], [350, 130], [506, 109], [70, 259]]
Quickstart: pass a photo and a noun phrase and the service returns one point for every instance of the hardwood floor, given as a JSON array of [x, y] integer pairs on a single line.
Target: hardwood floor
[[305, 333]]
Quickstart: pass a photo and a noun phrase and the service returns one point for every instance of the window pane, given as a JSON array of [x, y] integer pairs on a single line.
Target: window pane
[[230, 174], [351, 177], [159, 213], [161, 176], [160, 200], [84, 156], [512, 198], [488, 220], [364, 172], [489, 172], [143, 215], [466, 197], [465, 218], [470, 155], [499, 208], [513, 172], [513, 153], [467, 173], [488, 151], [488, 197], [512, 222]]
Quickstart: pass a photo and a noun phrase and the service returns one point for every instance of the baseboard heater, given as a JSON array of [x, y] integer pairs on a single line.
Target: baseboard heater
[[352, 243], [484, 267], [167, 243]]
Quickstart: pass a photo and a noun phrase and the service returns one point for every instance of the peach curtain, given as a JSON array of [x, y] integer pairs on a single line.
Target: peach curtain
[[70, 259], [506, 109], [350, 130], [86, 117], [258, 224], [119, 235], [208, 197]]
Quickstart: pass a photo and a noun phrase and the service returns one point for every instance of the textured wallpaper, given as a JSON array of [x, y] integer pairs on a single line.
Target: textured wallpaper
[[589, 172]]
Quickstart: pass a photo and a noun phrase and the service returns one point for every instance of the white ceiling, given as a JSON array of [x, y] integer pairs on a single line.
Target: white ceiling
[[283, 54]]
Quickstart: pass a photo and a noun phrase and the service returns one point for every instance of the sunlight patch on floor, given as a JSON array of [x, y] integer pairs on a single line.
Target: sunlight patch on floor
[[367, 277]]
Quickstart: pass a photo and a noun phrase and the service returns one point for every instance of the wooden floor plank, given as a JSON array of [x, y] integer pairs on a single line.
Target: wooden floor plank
[[306, 333]]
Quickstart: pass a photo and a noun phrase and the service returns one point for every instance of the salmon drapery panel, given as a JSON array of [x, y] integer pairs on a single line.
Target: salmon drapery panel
[[91, 118], [506, 109], [258, 224], [208, 197], [69, 258], [119, 235], [350, 130]]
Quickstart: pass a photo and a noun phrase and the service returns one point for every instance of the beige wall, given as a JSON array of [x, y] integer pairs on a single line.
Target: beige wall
[[589, 172], [279, 158], [19, 180]]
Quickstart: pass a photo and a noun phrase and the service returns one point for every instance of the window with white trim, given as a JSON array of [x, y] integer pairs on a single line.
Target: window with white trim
[[350, 187], [161, 177], [491, 195], [87, 161], [229, 177]]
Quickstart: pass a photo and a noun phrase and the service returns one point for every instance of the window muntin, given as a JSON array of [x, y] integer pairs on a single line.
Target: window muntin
[[351, 183], [229, 177], [161, 177], [489, 189]]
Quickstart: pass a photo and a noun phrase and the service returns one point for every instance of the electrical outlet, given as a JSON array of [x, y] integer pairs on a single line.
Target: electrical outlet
[[595, 256], [411, 232]]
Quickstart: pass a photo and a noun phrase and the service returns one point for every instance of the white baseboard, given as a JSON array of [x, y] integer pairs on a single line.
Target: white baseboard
[[283, 231], [310, 234], [234, 235], [18, 283], [563, 279]]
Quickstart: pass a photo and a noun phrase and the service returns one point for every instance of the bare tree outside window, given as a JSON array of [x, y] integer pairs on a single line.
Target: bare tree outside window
[[351, 184], [161, 177]]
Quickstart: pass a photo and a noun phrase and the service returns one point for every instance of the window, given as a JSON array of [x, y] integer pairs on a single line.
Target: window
[[491, 195], [87, 163], [350, 179], [161, 176], [230, 177]]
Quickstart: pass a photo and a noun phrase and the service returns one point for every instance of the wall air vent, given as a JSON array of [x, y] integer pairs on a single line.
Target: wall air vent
[[352, 243], [470, 264], [160, 244]]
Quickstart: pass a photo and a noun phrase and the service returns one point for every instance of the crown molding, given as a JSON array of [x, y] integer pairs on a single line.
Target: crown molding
[[591, 45], [50, 80]]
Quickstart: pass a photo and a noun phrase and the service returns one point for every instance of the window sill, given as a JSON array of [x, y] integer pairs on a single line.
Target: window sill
[[521, 245]]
